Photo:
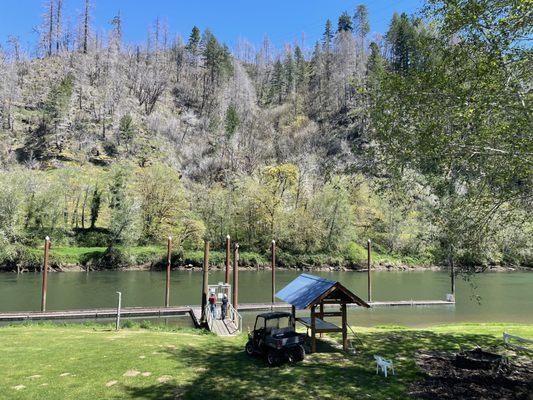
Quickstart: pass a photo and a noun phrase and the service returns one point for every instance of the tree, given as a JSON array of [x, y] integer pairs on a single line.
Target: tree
[[86, 26], [193, 45], [362, 26], [96, 202], [327, 44], [124, 208], [276, 83], [301, 77], [463, 113], [231, 121], [162, 203], [345, 23], [126, 129], [404, 38]]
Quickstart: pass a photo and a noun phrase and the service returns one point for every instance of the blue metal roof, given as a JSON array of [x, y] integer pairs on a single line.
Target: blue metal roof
[[303, 290]]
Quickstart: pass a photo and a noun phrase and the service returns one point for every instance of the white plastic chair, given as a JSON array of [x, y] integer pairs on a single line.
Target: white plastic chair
[[384, 364]]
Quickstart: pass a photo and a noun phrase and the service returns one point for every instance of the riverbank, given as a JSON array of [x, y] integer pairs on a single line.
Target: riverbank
[[65, 259], [93, 361]]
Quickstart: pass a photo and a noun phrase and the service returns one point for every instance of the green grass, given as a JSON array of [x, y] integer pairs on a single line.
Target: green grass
[[76, 362]]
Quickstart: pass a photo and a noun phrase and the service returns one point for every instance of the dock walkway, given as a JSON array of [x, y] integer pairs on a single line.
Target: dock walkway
[[193, 311]]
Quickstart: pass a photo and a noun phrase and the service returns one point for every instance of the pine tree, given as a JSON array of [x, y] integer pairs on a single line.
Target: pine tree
[[376, 63], [194, 43], [86, 25], [288, 73], [231, 121], [362, 26], [401, 40], [327, 47], [300, 70], [276, 83], [345, 23], [327, 38]]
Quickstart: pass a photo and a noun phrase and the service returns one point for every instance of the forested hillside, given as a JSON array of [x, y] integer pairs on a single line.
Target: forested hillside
[[419, 139]]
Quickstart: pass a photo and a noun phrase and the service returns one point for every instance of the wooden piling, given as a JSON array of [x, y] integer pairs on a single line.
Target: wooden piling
[[369, 264], [235, 300], [228, 262], [344, 328], [273, 262], [169, 264], [452, 276], [205, 281], [45, 273]]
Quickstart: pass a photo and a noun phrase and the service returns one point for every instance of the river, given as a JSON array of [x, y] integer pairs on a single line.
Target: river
[[503, 296]]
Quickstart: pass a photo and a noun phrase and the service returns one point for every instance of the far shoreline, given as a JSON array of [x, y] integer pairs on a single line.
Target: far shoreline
[[379, 267]]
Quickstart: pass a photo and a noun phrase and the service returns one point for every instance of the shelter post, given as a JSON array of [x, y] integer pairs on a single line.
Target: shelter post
[[205, 281], [321, 314], [313, 328], [235, 300], [344, 328], [293, 312], [228, 262], [45, 273]]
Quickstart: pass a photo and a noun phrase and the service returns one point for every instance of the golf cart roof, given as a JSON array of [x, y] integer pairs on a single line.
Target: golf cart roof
[[274, 315]]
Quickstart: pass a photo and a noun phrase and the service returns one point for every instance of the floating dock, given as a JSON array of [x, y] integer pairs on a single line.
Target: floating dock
[[193, 311]]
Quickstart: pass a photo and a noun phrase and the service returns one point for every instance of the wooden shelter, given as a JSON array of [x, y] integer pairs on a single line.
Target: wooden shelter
[[314, 293]]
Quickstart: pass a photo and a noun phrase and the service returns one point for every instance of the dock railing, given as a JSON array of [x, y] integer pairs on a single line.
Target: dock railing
[[208, 317], [235, 316]]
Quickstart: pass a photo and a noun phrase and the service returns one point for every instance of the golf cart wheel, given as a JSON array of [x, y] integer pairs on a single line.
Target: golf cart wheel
[[272, 358], [249, 348], [298, 354]]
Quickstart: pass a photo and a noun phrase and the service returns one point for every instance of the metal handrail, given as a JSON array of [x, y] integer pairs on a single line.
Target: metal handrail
[[235, 316], [208, 317]]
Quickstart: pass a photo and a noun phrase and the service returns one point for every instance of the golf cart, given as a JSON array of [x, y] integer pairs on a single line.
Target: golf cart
[[274, 337]]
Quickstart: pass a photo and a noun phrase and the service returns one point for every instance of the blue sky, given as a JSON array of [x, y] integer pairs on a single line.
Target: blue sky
[[283, 20]]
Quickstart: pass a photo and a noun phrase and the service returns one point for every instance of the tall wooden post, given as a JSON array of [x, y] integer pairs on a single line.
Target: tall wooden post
[[313, 329], [235, 300], [273, 251], [369, 264], [228, 262], [169, 262], [344, 328], [45, 273], [205, 280], [452, 276]]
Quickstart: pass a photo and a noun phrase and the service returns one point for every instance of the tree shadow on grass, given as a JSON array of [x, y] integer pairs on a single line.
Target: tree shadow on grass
[[222, 370]]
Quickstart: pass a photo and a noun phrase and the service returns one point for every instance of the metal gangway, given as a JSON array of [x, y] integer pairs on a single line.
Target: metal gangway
[[231, 325]]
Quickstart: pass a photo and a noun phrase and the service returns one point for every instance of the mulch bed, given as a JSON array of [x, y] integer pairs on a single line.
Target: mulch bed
[[512, 380]]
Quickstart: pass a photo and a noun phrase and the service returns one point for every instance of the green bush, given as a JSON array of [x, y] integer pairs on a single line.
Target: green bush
[[355, 253]]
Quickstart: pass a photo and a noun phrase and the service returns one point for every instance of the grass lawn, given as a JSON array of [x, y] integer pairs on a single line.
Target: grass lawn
[[95, 362]]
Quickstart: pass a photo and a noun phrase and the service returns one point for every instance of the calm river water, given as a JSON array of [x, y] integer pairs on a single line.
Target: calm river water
[[503, 297]]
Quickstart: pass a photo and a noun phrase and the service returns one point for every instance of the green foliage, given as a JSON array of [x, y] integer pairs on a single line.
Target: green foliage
[[231, 121], [345, 23], [194, 42], [58, 99], [355, 253], [126, 129]]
